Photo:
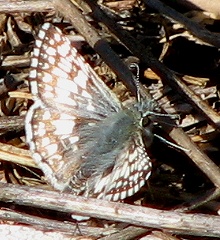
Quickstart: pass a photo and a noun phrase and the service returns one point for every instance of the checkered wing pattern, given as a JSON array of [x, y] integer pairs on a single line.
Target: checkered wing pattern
[[78, 132]]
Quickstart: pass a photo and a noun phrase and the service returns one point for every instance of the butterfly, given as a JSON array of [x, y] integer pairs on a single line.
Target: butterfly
[[79, 133]]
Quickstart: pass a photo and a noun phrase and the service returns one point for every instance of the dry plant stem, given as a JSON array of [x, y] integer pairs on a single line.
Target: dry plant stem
[[186, 199], [48, 225], [194, 153], [15, 61], [16, 155], [128, 233], [11, 6], [40, 223], [156, 235], [192, 27], [132, 232], [178, 223], [201, 201], [11, 123], [11, 232]]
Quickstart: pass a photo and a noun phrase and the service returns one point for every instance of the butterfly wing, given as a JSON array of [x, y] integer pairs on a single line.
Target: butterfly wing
[[67, 94], [131, 170], [62, 79]]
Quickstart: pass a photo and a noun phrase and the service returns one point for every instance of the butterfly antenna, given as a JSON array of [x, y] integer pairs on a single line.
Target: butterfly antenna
[[136, 80], [175, 146]]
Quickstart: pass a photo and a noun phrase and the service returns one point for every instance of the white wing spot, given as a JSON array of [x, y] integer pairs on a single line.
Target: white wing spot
[[41, 34], [34, 87], [36, 52], [49, 94], [81, 79], [51, 42], [34, 62], [74, 139], [45, 66], [57, 37], [68, 85], [46, 26], [115, 197], [52, 149], [46, 116], [66, 116], [38, 43], [51, 59], [45, 141], [51, 51], [63, 128], [65, 66], [47, 77], [60, 73], [64, 49], [86, 94], [33, 73], [48, 88]]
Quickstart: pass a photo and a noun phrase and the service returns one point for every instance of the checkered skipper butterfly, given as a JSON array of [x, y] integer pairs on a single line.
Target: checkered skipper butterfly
[[79, 133]]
